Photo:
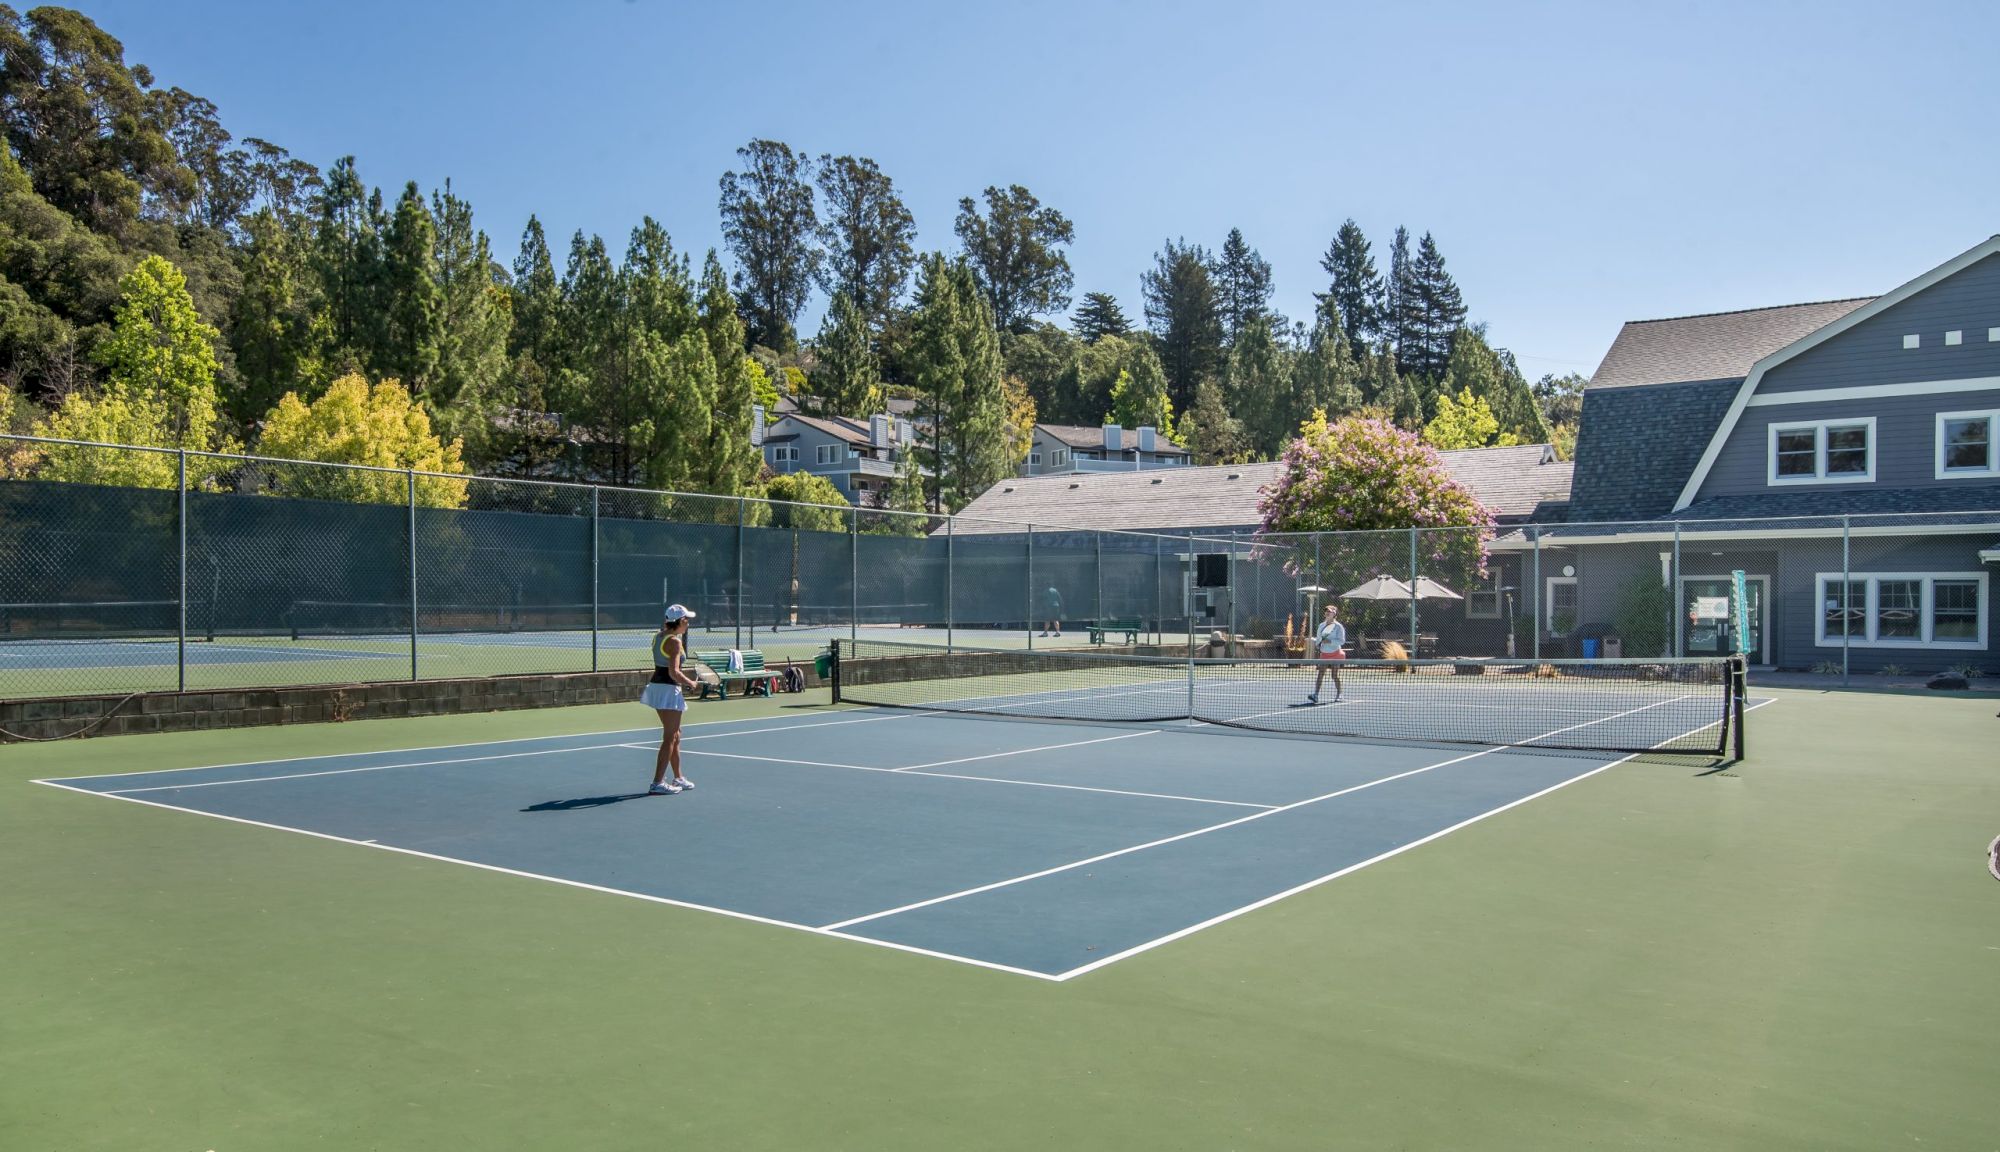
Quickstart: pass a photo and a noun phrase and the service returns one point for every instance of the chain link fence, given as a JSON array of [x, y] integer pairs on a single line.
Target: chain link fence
[[134, 569]]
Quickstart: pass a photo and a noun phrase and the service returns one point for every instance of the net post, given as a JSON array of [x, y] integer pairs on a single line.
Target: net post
[[1535, 595], [411, 475], [1739, 670], [1229, 571], [181, 597], [1187, 609], [1680, 607], [833, 667], [1031, 587], [1415, 651], [950, 580], [595, 597], [1846, 597]]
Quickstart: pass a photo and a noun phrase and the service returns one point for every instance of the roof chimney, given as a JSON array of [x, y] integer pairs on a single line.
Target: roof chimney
[[1114, 437], [878, 431], [757, 425], [1145, 438]]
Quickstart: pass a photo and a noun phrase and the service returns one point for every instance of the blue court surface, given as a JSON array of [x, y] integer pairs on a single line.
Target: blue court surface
[[1043, 848]]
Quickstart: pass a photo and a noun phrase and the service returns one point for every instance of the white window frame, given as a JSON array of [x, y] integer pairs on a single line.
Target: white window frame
[[1489, 587], [1059, 457], [1819, 429], [785, 454], [1034, 459], [1866, 636], [826, 454], [1992, 469], [1549, 605]]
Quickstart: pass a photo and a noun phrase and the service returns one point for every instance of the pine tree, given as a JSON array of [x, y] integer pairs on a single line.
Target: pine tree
[[1328, 378], [1491, 375], [769, 223], [1184, 313], [275, 328], [414, 305], [474, 320], [1438, 313], [954, 360], [1259, 386], [1242, 284], [1403, 319], [347, 261], [1139, 395], [1099, 316], [869, 236], [535, 299], [1356, 292], [729, 462], [1211, 434], [844, 378]]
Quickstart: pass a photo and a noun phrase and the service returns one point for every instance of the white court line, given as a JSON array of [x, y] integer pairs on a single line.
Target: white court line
[[915, 771], [484, 744], [949, 896], [1351, 868], [1025, 751], [752, 917]]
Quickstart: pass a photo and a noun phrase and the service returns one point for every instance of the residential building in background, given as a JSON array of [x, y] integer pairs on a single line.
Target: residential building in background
[[859, 457], [1061, 449]]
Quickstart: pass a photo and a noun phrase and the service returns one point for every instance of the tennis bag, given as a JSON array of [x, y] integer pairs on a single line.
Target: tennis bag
[[795, 678]]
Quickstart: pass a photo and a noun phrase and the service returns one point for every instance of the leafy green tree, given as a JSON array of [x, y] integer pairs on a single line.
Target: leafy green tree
[[1326, 375], [58, 283], [159, 348], [1185, 314], [1258, 384], [1492, 375], [1560, 399], [1356, 292], [1043, 358], [844, 378], [112, 417], [806, 502], [1242, 286], [1465, 421], [728, 462], [352, 423], [1139, 395], [869, 236], [954, 360], [414, 308], [905, 494], [278, 330], [769, 223], [1099, 316], [471, 389], [348, 260], [1211, 434], [1015, 251]]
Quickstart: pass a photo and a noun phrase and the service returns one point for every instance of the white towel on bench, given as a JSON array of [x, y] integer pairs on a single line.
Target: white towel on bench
[[735, 660]]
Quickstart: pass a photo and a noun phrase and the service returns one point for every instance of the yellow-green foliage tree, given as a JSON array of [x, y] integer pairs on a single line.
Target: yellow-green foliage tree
[[159, 389], [797, 490], [355, 424], [1466, 421]]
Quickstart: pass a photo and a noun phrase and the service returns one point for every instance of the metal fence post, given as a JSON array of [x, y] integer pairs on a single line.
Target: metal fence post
[[1097, 606], [737, 600], [181, 597], [854, 575], [1159, 605], [1846, 598], [1680, 607], [1187, 610], [1031, 587], [1415, 650], [1535, 594], [1229, 574], [412, 475], [595, 596], [950, 580]]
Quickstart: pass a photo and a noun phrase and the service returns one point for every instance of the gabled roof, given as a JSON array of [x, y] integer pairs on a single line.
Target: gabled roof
[[1092, 439], [1514, 483], [1634, 446], [1712, 346], [839, 427]]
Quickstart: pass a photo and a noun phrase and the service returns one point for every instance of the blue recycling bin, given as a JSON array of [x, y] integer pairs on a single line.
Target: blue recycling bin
[[1590, 644]]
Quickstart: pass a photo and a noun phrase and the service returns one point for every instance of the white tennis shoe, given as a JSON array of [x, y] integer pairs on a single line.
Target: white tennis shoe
[[663, 789]]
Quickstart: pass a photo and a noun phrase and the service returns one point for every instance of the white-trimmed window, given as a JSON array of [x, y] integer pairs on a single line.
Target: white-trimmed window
[[826, 454], [1823, 452], [1486, 598], [1059, 457], [784, 454], [1034, 459], [1966, 445], [1561, 603], [1903, 610]]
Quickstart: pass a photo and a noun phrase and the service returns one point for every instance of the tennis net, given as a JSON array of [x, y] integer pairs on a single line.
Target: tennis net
[[1667, 705]]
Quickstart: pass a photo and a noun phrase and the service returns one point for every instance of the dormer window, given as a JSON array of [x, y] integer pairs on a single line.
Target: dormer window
[[1827, 452], [1965, 445]]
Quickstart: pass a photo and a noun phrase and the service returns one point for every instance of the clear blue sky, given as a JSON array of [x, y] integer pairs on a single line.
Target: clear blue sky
[[1580, 164]]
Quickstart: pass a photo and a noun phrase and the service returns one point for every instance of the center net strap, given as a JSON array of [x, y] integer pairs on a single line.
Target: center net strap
[[1665, 705]]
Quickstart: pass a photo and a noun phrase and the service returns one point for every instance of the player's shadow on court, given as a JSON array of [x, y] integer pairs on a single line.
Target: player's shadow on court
[[583, 802]]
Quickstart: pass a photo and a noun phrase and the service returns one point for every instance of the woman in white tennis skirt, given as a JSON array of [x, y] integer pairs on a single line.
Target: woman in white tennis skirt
[[665, 695]]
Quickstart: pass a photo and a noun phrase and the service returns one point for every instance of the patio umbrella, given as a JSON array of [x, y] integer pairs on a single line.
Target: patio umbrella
[[1380, 588], [1429, 589]]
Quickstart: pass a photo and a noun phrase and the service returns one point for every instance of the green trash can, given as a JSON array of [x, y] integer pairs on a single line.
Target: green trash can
[[823, 664]]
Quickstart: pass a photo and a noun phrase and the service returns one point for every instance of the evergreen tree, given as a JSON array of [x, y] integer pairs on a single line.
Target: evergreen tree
[[535, 298], [1437, 312], [414, 313], [1211, 434], [473, 324], [347, 259], [1139, 395], [665, 410], [1185, 315], [905, 494], [1099, 316], [1356, 292], [1243, 286], [1044, 358], [869, 236], [1258, 384], [1403, 320], [729, 462], [278, 329], [1328, 378], [954, 360], [844, 380], [1015, 253], [1384, 390], [1492, 376], [769, 223]]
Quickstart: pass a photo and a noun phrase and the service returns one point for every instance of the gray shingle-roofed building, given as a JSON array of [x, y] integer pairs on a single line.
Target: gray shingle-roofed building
[[1516, 483], [1068, 448], [1710, 346]]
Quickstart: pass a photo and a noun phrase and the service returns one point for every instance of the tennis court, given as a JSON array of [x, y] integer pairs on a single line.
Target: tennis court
[[1044, 847]]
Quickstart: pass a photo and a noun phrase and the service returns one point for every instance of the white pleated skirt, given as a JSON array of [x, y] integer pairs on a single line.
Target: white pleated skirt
[[667, 696]]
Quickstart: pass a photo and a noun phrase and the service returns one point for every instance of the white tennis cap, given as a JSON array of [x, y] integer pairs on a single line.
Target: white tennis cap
[[678, 612]]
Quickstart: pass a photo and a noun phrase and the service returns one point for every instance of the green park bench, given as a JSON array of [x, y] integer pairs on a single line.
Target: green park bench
[[1129, 625], [755, 678]]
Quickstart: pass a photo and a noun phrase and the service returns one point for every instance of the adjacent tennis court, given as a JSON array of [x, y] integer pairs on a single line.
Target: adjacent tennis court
[[1047, 849]]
